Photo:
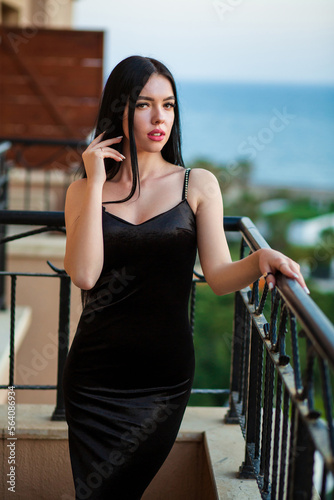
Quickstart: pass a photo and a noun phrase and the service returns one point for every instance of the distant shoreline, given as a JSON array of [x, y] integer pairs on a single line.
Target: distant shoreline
[[311, 192]]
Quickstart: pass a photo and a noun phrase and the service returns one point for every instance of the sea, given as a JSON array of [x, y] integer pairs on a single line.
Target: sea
[[285, 130]]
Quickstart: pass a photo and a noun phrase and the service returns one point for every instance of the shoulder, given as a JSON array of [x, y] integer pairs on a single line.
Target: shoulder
[[201, 174], [76, 187], [203, 183], [75, 191]]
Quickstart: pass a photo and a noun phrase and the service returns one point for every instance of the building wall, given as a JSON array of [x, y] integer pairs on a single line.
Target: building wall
[[38, 13]]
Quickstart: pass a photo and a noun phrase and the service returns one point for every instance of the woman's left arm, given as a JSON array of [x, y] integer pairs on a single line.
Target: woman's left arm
[[223, 275]]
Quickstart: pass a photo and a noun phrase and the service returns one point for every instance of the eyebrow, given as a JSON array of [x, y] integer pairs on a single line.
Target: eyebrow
[[150, 98]]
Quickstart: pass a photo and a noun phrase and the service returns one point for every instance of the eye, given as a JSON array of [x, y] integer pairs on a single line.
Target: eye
[[141, 105], [170, 105]]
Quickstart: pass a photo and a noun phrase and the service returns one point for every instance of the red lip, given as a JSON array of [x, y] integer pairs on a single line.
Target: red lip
[[159, 137]]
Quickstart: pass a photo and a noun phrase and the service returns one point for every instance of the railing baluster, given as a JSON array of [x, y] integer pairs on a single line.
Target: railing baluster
[[277, 434], [259, 384], [264, 417], [295, 352], [301, 472], [284, 448], [327, 397], [12, 330], [245, 363], [292, 448], [268, 405], [231, 416], [247, 468], [63, 342]]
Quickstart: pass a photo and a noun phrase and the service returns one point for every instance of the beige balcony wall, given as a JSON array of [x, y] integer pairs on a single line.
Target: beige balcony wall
[[46, 13]]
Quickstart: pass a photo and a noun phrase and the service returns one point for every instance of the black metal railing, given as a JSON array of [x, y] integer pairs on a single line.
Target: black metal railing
[[4, 147], [271, 395], [48, 222]]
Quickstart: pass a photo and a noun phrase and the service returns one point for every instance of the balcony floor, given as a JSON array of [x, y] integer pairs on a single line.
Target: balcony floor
[[203, 464]]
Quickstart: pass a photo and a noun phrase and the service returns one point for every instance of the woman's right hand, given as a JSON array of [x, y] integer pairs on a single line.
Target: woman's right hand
[[94, 155]]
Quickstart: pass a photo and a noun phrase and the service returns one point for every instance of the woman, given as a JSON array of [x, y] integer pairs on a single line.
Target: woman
[[129, 372]]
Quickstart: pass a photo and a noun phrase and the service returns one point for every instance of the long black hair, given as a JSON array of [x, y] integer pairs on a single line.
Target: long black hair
[[123, 86]]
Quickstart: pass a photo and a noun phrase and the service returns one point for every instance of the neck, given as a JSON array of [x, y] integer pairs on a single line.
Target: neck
[[149, 164]]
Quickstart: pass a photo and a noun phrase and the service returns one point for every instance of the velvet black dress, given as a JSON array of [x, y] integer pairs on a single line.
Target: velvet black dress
[[129, 371]]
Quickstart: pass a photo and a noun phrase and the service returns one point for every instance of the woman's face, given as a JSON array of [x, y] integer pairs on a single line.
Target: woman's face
[[154, 115]]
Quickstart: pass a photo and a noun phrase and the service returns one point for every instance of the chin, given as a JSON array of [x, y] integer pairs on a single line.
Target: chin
[[152, 148]]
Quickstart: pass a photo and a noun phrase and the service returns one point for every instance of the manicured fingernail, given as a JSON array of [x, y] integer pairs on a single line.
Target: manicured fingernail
[[295, 275], [123, 157], [307, 290], [271, 286]]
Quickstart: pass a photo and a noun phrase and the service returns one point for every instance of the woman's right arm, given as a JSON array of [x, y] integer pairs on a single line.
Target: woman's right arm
[[83, 260]]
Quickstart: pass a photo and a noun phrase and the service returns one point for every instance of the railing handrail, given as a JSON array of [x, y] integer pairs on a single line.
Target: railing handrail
[[32, 218], [319, 328]]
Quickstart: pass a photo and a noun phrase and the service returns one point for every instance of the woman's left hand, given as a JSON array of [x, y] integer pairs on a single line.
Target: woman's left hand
[[271, 261]]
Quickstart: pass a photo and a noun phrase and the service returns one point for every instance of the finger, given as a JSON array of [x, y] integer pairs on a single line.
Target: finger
[[110, 150], [289, 271], [269, 276], [110, 154], [96, 140], [107, 142], [286, 268], [302, 283]]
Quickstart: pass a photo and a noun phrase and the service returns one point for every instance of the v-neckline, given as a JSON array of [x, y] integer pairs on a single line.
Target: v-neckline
[[151, 218]]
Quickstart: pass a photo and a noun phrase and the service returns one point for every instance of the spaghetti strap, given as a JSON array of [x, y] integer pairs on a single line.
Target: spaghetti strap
[[185, 185]]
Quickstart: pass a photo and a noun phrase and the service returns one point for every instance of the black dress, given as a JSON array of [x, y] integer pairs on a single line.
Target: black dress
[[129, 371]]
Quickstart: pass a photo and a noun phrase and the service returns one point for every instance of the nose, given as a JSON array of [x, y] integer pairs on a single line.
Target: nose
[[158, 116]]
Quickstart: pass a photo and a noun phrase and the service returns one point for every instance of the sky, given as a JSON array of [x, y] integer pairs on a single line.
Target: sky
[[282, 41]]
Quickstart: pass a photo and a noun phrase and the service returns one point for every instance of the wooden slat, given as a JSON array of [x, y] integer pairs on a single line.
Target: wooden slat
[[82, 44], [15, 86], [35, 111], [60, 85], [47, 131]]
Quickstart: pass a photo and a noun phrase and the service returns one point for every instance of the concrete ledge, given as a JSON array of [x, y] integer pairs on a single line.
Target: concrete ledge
[[33, 422], [203, 464], [225, 449]]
